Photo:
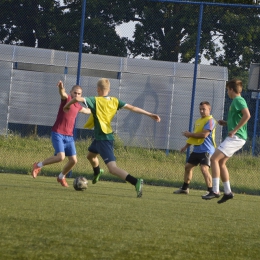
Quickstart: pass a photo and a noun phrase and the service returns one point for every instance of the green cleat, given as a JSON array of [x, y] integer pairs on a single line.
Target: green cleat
[[139, 187], [96, 177]]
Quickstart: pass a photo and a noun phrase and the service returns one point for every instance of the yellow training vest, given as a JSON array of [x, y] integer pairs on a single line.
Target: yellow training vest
[[106, 108], [198, 128]]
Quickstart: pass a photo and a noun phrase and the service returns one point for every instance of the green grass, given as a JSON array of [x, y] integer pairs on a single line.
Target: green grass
[[154, 166], [40, 219]]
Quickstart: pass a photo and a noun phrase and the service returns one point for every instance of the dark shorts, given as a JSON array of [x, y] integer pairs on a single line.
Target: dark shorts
[[199, 158], [63, 143], [105, 148]]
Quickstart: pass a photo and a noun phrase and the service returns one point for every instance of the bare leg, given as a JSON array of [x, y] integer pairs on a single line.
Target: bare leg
[[215, 158], [54, 159], [93, 159], [69, 165], [113, 169], [206, 175], [215, 169], [122, 174], [224, 174], [188, 172]]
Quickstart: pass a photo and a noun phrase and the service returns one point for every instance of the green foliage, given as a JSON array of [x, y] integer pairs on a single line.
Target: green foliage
[[21, 22], [164, 31], [40, 219]]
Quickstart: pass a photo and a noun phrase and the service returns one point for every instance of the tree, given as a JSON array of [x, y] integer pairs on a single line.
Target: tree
[[239, 32], [47, 24], [102, 17], [164, 31], [29, 22], [229, 35]]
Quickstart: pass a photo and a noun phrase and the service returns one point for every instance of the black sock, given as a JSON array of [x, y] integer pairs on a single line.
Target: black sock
[[185, 186], [210, 189], [96, 170], [131, 179]]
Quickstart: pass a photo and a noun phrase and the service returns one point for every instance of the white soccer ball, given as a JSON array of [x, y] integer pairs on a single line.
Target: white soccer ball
[[80, 183]]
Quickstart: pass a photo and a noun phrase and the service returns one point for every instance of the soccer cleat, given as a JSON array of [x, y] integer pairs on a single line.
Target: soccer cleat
[[181, 191], [139, 187], [210, 195], [226, 197], [96, 177], [205, 194], [63, 182], [36, 170]]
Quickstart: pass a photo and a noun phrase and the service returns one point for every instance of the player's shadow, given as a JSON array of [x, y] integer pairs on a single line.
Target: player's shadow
[[131, 123]]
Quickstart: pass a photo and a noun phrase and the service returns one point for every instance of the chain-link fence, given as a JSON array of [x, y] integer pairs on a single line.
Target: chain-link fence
[[198, 46], [29, 77]]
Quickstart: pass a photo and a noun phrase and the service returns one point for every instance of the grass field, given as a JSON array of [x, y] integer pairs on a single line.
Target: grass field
[[40, 219], [154, 166]]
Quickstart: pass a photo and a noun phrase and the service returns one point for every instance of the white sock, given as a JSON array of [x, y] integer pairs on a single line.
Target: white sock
[[61, 176], [215, 186], [39, 164], [227, 189]]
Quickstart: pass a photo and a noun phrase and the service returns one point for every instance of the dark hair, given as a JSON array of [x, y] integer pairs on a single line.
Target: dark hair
[[205, 103], [76, 86], [235, 84]]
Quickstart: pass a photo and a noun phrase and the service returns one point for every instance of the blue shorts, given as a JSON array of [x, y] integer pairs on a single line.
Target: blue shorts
[[63, 143], [105, 148]]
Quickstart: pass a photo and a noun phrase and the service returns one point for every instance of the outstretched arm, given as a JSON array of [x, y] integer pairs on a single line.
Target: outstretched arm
[[142, 111], [73, 101], [62, 90]]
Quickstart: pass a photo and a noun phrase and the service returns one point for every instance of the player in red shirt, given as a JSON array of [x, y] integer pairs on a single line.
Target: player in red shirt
[[62, 134]]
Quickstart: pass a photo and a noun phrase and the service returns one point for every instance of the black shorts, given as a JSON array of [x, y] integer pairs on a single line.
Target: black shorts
[[105, 148], [199, 158]]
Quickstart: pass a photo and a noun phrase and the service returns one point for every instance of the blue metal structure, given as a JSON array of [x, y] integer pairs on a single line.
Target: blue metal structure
[[197, 52], [207, 3], [195, 75], [197, 45], [255, 124], [83, 14]]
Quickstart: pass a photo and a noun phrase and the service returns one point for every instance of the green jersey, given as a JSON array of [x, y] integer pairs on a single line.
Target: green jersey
[[103, 110], [235, 115]]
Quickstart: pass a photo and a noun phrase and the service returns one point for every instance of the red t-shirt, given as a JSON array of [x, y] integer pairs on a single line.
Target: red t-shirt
[[65, 122]]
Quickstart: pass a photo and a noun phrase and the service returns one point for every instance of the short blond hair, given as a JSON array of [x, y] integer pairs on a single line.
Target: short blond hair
[[103, 84]]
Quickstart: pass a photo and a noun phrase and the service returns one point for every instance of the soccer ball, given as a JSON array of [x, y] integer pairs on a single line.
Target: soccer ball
[[80, 183]]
